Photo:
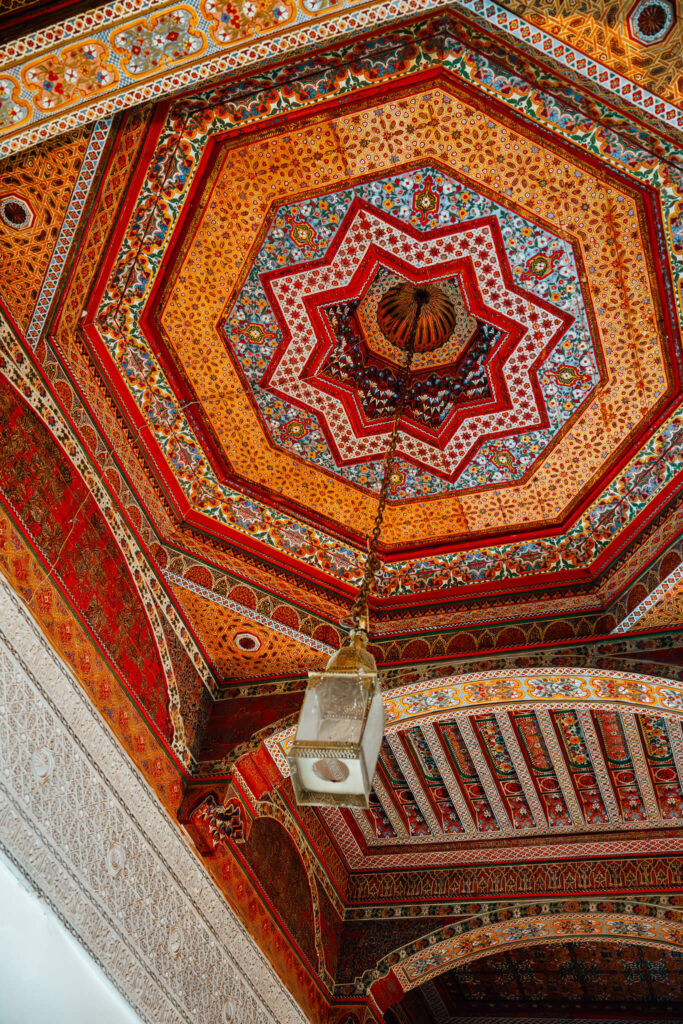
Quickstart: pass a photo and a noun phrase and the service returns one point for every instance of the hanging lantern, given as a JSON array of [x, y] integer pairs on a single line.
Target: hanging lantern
[[333, 757]]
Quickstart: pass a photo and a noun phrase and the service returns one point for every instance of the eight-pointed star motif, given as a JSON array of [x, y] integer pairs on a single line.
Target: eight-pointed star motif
[[471, 251]]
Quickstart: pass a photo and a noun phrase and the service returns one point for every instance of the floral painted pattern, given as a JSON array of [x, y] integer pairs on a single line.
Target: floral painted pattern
[[232, 20], [661, 764], [79, 71], [164, 40], [620, 765], [472, 789], [542, 769], [12, 112], [622, 500], [581, 767], [505, 772]]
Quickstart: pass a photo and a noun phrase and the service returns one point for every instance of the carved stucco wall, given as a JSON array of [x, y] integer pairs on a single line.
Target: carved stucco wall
[[86, 831]]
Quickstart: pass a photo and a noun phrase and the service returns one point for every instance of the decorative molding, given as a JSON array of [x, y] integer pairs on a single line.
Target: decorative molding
[[88, 174], [248, 613], [668, 584], [676, 741], [111, 863], [461, 948], [99, 48]]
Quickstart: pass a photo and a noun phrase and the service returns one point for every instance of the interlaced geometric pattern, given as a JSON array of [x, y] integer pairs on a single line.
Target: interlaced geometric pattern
[[517, 365]]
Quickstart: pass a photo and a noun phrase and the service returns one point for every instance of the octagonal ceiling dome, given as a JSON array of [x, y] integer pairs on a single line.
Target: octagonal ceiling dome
[[261, 372]]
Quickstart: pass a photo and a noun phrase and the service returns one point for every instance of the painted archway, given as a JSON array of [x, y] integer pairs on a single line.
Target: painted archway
[[656, 923]]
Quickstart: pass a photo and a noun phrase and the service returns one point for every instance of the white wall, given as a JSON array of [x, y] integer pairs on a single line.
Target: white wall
[[45, 974]]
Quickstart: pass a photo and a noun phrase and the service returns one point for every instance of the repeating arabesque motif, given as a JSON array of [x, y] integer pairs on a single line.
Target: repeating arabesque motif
[[345, 220], [57, 80], [617, 866], [596, 30], [237, 26], [647, 930], [112, 864], [46, 186], [172, 171], [282, 583], [472, 919], [13, 112], [175, 46], [216, 585], [16, 367], [427, 701]]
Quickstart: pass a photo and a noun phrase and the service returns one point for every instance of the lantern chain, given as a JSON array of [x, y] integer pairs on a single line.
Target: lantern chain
[[372, 562]]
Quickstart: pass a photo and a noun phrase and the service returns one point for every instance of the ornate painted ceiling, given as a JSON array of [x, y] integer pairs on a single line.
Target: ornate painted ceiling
[[586, 980], [451, 787], [197, 392]]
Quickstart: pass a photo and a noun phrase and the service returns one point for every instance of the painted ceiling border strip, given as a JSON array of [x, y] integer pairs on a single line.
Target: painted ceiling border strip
[[79, 196], [24, 124], [668, 584], [248, 613]]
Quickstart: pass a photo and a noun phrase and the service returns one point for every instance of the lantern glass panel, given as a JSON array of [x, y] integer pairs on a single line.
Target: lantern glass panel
[[341, 724], [373, 735], [334, 710]]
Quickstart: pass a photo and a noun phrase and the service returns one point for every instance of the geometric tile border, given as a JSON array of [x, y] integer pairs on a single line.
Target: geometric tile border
[[96, 144], [667, 584]]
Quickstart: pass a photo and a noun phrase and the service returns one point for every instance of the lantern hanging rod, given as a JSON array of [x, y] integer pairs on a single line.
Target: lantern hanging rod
[[359, 612]]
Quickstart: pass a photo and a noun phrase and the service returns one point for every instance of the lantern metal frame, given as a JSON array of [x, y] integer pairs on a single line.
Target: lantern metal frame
[[354, 662]]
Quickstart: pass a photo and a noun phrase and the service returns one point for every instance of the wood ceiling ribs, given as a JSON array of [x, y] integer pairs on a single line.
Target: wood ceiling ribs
[[550, 737], [599, 766], [642, 773], [505, 725], [450, 781], [485, 777], [417, 785], [673, 728], [424, 836], [390, 810]]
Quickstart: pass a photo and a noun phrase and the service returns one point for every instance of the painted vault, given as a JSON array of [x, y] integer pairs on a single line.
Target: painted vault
[[196, 394]]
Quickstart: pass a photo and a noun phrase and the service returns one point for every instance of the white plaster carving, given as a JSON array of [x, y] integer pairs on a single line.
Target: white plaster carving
[[115, 860], [62, 836], [42, 764]]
